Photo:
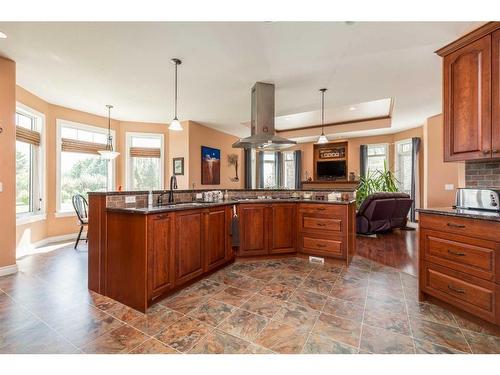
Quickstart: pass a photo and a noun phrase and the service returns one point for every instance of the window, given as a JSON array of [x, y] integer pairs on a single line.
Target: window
[[377, 157], [270, 175], [29, 162], [289, 170], [80, 167], [144, 161], [403, 165]]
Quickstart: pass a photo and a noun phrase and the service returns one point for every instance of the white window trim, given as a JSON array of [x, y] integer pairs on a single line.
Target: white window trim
[[30, 217], [386, 146], [77, 125], [128, 161]]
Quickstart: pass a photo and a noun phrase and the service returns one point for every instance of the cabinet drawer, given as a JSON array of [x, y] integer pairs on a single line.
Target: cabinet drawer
[[465, 254], [336, 210], [324, 246], [469, 227], [466, 292], [309, 222]]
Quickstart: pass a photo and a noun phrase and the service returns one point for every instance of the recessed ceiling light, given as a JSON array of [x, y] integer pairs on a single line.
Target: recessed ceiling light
[[350, 23], [3, 35], [352, 108], [287, 118]]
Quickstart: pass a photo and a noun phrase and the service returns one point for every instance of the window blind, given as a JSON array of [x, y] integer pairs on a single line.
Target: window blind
[[73, 145], [145, 152], [27, 136]]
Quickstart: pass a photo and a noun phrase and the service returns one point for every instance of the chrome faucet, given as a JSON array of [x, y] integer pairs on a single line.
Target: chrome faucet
[[173, 185]]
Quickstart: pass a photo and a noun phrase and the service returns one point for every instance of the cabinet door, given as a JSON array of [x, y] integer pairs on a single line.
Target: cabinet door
[[495, 94], [253, 229], [189, 247], [467, 98], [160, 254], [282, 228], [216, 232]]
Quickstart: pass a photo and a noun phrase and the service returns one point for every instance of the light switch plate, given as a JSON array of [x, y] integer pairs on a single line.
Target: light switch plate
[[130, 199], [1, 187], [449, 187]]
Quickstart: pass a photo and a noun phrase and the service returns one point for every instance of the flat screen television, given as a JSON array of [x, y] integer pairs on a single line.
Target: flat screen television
[[331, 170]]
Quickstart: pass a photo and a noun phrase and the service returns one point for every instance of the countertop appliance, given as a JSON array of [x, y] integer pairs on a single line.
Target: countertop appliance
[[478, 199]]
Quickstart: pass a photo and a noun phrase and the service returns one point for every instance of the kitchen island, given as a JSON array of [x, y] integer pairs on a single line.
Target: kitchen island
[[138, 255]]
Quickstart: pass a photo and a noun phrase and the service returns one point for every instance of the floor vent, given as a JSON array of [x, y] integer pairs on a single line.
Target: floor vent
[[317, 260]]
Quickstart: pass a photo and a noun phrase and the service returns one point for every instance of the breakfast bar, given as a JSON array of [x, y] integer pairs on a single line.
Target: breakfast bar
[[140, 254]]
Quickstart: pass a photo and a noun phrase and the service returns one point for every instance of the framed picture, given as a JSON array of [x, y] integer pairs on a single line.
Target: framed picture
[[178, 166], [210, 166]]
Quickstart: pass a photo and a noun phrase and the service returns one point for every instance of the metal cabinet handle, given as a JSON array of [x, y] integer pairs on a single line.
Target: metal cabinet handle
[[320, 208], [456, 290], [495, 151], [486, 152], [453, 225], [456, 253], [164, 216], [320, 245], [321, 224]]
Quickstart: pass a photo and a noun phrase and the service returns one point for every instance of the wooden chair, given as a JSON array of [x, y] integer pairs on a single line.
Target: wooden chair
[[81, 208]]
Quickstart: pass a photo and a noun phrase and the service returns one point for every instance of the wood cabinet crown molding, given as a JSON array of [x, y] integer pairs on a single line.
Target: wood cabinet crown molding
[[468, 38]]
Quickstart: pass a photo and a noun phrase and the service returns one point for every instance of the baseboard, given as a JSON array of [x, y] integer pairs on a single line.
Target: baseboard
[[28, 249], [8, 270]]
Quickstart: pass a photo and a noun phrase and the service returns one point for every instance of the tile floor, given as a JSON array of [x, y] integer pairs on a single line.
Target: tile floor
[[268, 306]]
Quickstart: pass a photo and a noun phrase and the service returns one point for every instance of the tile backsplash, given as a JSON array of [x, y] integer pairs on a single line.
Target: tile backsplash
[[141, 200], [482, 174]]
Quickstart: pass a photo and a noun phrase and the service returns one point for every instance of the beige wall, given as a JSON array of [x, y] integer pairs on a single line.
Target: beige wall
[[7, 163], [200, 135], [437, 171]]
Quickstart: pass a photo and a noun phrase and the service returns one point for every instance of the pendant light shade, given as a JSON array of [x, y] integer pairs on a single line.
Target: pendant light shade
[[108, 153], [175, 124], [322, 138]]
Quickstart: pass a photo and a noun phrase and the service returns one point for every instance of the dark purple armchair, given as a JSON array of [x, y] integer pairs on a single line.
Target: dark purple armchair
[[383, 212]]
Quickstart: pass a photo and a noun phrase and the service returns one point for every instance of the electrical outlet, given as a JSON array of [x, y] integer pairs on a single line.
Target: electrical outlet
[[316, 260], [130, 199], [449, 187]]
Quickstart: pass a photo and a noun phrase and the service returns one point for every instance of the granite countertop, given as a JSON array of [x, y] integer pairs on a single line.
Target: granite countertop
[[462, 212], [197, 205]]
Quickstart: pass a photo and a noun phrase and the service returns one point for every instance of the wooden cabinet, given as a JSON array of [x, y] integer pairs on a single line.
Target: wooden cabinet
[[216, 237], [253, 229], [160, 254], [471, 95], [460, 263], [267, 229], [495, 93], [282, 228], [189, 233], [323, 229]]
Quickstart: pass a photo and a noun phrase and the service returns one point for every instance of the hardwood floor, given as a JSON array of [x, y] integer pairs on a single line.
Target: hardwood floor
[[398, 249]]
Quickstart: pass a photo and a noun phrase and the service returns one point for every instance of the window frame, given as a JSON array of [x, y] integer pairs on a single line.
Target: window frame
[[386, 154], [397, 158], [283, 173], [41, 193], [111, 166], [128, 161]]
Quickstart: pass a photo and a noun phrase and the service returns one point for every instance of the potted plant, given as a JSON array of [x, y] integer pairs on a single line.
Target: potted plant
[[376, 182]]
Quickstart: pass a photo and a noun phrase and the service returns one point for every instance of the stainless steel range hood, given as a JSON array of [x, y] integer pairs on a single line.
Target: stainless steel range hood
[[262, 121]]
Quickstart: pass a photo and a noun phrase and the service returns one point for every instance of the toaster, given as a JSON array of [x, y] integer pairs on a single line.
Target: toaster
[[478, 199]]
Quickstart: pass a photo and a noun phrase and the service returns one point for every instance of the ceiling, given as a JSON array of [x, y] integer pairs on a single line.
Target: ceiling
[[87, 65]]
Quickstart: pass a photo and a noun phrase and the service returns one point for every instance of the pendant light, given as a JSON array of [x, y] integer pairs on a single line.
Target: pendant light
[[322, 138], [108, 153], [175, 124]]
